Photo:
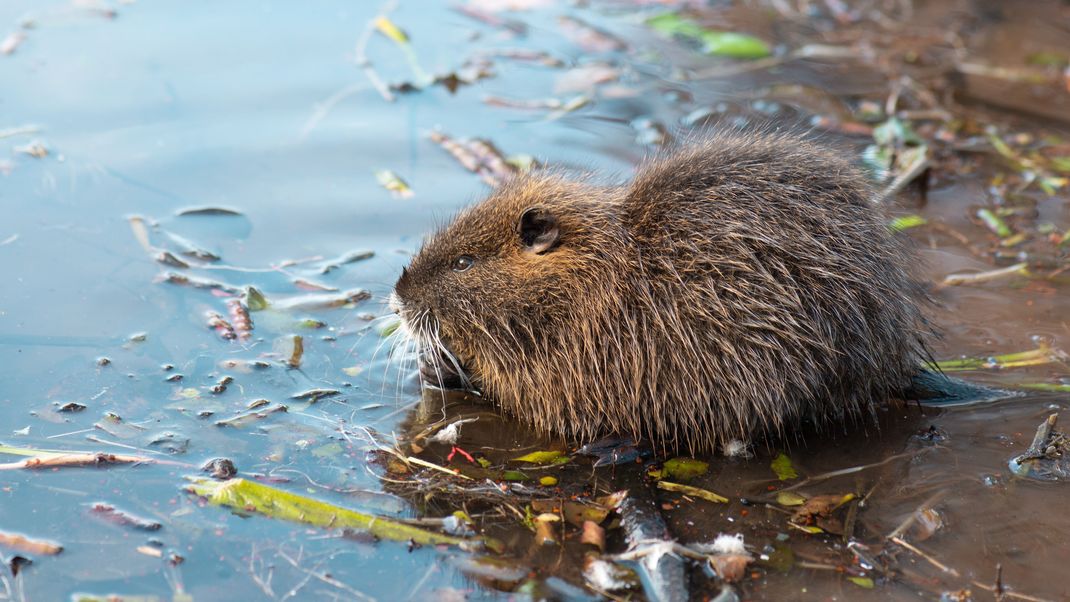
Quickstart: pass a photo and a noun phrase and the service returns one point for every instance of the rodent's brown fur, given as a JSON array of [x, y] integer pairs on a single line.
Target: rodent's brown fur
[[736, 285]]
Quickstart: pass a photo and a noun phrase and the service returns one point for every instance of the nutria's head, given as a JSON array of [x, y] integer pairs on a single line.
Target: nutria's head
[[504, 271]]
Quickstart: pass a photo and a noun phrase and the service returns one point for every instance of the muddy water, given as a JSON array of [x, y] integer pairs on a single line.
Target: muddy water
[[262, 109]]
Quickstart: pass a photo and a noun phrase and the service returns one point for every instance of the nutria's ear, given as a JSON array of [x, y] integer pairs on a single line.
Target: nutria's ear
[[538, 230]]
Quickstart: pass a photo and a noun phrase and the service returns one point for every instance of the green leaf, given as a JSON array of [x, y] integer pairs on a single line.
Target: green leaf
[[994, 222], [683, 469], [249, 496], [781, 465], [514, 475], [906, 222], [543, 457], [718, 43], [734, 45], [389, 328], [789, 498], [254, 299], [863, 582]]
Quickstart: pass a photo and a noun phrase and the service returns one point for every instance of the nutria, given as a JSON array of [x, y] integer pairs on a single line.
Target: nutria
[[735, 286]]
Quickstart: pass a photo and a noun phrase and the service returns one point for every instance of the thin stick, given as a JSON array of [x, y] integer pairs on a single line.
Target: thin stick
[[326, 578], [1018, 269], [18, 131], [943, 567], [432, 465], [360, 56], [322, 109], [906, 524], [900, 182], [851, 470]]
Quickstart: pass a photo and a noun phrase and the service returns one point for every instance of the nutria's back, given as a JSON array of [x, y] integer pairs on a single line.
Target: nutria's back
[[737, 284]]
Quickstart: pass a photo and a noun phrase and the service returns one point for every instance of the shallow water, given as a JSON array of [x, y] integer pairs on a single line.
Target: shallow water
[[262, 109]]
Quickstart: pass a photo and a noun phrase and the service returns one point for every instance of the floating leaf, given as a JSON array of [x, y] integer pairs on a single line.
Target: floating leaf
[[254, 299], [392, 182], [548, 481], [514, 475], [863, 582], [781, 465], [575, 512], [389, 328], [693, 492], [246, 496], [543, 457], [994, 222], [715, 42], [789, 498], [683, 469], [907, 222], [390, 30]]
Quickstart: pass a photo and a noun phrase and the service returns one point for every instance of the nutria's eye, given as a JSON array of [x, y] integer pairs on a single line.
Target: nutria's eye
[[462, 263]]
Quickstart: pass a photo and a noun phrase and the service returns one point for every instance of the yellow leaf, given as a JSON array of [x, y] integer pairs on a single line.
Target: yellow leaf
[[693, 491], [863, 582], [790, 498], [543, 457], [390, 30]]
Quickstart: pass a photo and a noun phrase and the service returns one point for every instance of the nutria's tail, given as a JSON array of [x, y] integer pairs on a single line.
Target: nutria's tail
[[940, 390]]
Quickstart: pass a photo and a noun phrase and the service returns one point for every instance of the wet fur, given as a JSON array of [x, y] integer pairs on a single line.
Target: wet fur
[[737, 285]]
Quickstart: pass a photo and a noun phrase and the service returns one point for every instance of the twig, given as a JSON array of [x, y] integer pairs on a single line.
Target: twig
[[263, 583], [960, 237], [906, 524], [326, 578], [79, 459], [360, 55], [322, 109], [851, 470], [17, 131], [29, 546], [432, 465], [1018, 269], [918, 167], [943, 567]]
